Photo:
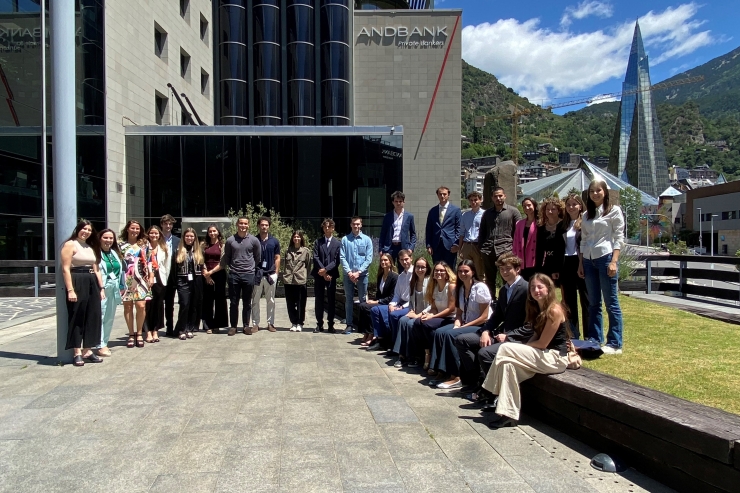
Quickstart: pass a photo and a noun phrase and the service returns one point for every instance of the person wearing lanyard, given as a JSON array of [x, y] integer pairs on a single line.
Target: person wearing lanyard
[[473, 305], [189, 284], [266, 280], [114, 283]]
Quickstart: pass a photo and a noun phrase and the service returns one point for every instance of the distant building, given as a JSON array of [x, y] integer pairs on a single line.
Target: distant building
[[637, 154], [474, 183], [724, 202]]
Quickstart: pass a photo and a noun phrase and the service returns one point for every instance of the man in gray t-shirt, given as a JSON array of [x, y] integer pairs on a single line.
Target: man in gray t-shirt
[[242, 254]]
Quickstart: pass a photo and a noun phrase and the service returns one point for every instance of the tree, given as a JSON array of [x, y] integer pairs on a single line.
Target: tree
[[631, 203]]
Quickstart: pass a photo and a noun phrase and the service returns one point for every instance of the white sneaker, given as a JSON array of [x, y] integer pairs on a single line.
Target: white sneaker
[[611, 350], [298, 328], [293, 329]]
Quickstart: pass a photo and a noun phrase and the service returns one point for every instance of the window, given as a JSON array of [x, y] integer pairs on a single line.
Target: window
[[161, 110], [185, 9], [204, 82], [184, 65], [203, 29], [725, 215], [160, 42]]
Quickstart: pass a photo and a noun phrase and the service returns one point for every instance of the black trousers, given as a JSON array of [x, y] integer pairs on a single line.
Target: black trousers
[[295, 298], [491, 271], [215, 314], [330, 287], [155, 307], [169, 300], [574, 288], [474, 360], [240, 288], [190, 300], [84, 318], [422, 333]]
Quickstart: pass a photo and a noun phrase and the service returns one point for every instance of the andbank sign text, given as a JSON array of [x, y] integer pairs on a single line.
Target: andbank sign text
[[403, 37]]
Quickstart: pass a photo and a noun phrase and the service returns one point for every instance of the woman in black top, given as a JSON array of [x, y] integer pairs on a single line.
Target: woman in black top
[[546, 352], [189, 284], [386, 283], [214, 312], [572, 286], [550, 239]]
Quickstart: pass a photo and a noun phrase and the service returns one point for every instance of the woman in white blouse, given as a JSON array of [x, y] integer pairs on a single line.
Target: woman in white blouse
[[473, 304], [602, 237]]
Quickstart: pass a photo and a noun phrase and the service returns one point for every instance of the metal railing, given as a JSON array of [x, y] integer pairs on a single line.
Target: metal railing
[[20, 283]]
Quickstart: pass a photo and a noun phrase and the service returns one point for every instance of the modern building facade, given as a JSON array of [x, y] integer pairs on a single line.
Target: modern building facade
[[637, 154], [195, 107], [715, 209]]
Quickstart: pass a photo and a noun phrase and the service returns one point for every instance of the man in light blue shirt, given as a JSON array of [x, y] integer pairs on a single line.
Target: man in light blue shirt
[[355, 254], [470, 225]]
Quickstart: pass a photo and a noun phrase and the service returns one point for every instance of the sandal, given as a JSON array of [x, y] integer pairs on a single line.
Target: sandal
[[139, 341], [92, 358], [183, 336], [77, 360], [209, 331], [190, 335], [369, 342], [131, 340]]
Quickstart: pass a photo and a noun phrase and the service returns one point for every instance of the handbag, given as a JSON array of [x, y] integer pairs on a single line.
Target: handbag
[[574, 359]]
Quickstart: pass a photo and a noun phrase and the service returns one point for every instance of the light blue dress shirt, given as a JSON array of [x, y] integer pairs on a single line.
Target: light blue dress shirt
[[471, 225], [356, 253]]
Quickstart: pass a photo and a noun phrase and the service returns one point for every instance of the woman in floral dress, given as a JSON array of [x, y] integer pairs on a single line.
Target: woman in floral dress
[[139, 278]]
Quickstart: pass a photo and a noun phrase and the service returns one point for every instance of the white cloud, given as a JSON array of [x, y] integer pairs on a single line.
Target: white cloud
[[540, 63], [602, 98], [585, 9]]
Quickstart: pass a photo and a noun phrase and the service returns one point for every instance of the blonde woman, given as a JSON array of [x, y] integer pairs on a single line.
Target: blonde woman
[[159, 260], [189, 265], [440, 296]]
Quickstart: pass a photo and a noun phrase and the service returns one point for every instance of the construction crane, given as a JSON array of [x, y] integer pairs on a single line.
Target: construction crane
[[516, 113]]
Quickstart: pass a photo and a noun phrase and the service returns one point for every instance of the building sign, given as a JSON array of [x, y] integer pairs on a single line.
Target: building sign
[[405, 37]]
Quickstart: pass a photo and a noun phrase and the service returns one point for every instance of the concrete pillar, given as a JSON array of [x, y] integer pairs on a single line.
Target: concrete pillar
[[64, 147]]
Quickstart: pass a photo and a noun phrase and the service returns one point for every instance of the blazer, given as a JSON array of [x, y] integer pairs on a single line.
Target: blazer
[[408, 232], [165, 264], [386, 295], [326, 258], [103, 266], [171, 277], [528, 252], [508, 316], [448, 232]]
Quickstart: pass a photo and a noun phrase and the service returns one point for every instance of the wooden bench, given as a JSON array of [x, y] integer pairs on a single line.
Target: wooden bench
[[27, 283], [687, 446]]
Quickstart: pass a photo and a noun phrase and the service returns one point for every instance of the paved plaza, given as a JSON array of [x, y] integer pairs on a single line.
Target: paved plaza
[[268, 412]]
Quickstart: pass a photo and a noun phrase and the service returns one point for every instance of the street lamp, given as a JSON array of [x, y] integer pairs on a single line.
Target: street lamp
[[701, 248], [712, 233]]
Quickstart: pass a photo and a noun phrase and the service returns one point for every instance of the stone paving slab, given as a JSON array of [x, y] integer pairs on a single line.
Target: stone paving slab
[[15, 311], [270, 412]]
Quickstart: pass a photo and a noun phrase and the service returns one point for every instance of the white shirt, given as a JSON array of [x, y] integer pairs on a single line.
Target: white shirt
[[510, 288], [602, 235], [571, 248], [479, 294], [397, 223], [402, 293]]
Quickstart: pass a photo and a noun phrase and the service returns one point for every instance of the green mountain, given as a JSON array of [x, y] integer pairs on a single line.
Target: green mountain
[[717, 95], [692, 118]]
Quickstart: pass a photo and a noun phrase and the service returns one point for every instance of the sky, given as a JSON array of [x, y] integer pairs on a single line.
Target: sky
[[551, 51]]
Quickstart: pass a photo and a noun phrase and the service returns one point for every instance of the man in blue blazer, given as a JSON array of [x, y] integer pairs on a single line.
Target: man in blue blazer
[[398, 231], [325, 272], [443, 229]]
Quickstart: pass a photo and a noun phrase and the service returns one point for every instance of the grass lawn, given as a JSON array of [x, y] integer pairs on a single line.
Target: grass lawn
[[679, 353]]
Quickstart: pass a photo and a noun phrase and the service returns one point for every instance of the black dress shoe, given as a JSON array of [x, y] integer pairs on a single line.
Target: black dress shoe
[[491, 406], [317, 330], [503, 422], [374, 347], [331, 330]]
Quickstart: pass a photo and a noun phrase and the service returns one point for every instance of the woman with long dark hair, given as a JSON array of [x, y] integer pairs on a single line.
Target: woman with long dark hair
[[139, 278], [386, 286], [602, 237], [525, 237], [189, 265], [79, 258], [440, 296], [573, 287], [402, 334], [214, 312], [473, 307], [111, 269], [546, 352], [295, 276]]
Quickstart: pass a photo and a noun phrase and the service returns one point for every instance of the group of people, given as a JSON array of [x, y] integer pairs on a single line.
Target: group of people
[[444, 315]]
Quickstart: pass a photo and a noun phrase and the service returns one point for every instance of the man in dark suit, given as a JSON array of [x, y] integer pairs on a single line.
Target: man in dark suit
[[166, 223], [505, 325], [443, 229], [325, 272], [398, 231]]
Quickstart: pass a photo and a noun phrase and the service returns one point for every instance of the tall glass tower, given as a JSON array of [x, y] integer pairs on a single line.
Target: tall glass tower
[[637, 155]]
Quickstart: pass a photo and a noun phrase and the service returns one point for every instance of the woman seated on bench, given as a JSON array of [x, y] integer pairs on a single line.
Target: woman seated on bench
[[546, 352]]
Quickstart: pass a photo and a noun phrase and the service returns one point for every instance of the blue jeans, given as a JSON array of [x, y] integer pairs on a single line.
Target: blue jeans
[[599, 284], [349, 294]]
